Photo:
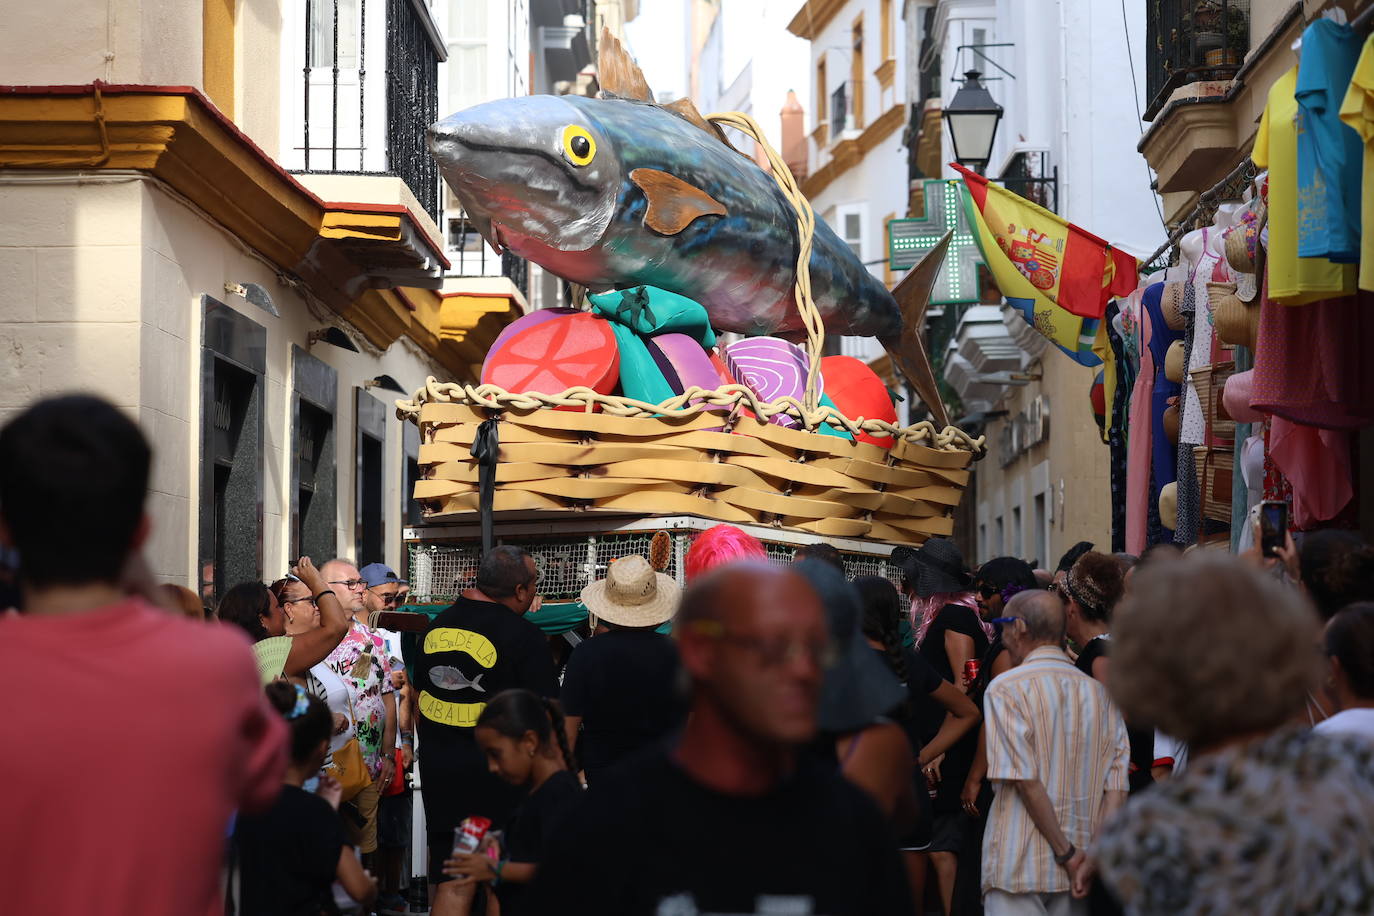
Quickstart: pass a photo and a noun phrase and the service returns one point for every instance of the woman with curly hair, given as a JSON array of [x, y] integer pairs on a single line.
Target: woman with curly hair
[[1267, 818]]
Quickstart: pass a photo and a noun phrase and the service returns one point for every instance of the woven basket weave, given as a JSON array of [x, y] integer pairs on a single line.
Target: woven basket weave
[[554, 461]]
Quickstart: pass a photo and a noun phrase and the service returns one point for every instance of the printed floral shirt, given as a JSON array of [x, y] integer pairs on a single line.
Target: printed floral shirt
[[362, 662], [1279, 826]]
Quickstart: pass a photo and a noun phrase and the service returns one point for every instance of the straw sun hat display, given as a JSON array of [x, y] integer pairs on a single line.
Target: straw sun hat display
[[632, 595]]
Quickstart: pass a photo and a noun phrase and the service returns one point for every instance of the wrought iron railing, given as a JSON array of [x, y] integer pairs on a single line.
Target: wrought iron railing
[[412, 102], [1188, 41], [336, 89], [470, 256], [1030, 174]]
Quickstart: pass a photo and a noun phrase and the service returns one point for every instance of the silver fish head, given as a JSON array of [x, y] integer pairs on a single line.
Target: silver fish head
[[533, 173]]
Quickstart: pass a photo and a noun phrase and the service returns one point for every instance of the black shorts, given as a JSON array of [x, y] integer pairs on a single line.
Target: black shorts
[[394, 821], [917, 839], [949, 831]]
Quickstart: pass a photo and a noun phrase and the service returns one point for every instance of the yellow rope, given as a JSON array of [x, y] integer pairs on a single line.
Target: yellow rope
[[809, 412]]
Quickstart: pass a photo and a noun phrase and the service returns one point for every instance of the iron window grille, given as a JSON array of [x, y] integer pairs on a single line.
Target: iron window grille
[[1189, 41], [335, 92]]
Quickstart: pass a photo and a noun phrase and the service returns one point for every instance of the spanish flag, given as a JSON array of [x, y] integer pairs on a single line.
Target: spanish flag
[[1060, 262]]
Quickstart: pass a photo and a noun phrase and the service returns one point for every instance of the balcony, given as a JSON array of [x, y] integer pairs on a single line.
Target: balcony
[[1192, 42], [1030, 174], [367, 90]]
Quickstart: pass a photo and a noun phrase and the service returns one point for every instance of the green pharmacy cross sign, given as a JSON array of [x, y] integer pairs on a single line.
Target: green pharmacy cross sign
[[910, 239]]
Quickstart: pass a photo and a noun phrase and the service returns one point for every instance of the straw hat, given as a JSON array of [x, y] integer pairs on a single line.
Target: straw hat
[[1171, 423], [1236, 323], [632, 594], [1168, 505], [1171, 306], [1175, 362]]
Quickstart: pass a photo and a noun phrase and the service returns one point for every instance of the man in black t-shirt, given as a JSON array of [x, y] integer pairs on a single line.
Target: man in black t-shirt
[[472, 651], [621, 686], [731, 819]]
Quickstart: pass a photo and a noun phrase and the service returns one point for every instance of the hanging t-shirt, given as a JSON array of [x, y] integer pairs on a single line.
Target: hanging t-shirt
[[1328, 151], [1357, 111], [1292, 280]]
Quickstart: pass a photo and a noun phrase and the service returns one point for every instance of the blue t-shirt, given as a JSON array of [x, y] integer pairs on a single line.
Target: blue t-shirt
[[1329, 151]]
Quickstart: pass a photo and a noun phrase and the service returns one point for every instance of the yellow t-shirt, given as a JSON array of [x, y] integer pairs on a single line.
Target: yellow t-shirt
[[1292, 280], [1358, 111]]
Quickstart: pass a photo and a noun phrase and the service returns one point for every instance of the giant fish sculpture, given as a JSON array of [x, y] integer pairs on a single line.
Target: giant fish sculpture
[[618, 191]]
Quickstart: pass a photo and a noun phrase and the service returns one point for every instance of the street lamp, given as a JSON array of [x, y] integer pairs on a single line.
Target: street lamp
[[971, 118]]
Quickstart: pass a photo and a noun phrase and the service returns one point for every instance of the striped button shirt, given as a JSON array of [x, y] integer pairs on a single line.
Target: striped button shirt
[[1046, 720]]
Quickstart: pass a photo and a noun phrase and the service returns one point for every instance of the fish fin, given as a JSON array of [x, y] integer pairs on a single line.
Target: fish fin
[[617, 72], [673, 203], [685, 109], [908, 350]]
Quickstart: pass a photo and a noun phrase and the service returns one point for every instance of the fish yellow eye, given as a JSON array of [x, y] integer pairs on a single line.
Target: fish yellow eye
[[578, 145]]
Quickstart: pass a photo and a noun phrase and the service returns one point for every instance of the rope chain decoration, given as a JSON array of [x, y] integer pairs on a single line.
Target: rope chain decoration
[[809, 412]]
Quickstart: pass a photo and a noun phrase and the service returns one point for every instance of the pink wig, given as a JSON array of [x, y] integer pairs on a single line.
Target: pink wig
[[719, 545]]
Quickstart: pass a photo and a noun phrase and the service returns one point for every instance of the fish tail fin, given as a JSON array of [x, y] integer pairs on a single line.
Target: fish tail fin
[[908, 350]]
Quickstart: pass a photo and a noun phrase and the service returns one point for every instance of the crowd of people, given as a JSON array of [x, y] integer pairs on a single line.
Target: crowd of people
[[1165, 734]]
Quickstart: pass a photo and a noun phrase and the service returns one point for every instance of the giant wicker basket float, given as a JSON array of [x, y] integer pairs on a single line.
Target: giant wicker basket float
[[711, 453]]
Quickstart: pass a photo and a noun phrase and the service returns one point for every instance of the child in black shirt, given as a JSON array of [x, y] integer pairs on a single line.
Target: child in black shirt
[[526, 744]]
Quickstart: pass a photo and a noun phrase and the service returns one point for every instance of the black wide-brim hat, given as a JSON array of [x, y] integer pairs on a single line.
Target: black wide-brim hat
[[858, 688], [936, 567]]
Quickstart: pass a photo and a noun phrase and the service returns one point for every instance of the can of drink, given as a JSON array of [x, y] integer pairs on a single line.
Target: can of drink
[[468, 835], [970, 671]]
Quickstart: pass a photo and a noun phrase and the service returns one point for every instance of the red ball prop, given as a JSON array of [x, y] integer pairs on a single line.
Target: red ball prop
[[858, 392]]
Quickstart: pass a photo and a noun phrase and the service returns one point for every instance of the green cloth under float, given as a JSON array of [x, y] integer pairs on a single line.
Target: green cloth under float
[[649, 311]]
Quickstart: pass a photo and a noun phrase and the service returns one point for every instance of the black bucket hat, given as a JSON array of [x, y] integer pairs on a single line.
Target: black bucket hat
[[935, 568], [858, 688]]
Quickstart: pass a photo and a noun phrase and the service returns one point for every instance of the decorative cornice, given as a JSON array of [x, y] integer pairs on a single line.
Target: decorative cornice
[[369, 262], [848, 153], [814, 16], [885, 72]]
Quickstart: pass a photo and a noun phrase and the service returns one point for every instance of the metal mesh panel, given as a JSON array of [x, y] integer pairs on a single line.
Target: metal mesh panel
[[439, 571]]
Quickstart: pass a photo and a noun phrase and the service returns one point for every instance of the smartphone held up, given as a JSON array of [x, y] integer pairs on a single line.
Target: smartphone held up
[[1273, 526]]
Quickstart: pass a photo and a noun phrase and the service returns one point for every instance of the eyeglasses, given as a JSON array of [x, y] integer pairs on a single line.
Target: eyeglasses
[[309, 599], [1005, 620], [353, 585], [771, 653]]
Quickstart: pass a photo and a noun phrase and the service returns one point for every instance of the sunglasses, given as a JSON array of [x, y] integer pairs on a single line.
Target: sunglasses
[[387, 599]]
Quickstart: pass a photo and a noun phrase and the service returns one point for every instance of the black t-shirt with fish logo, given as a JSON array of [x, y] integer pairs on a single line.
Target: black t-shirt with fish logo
[[471, 652]]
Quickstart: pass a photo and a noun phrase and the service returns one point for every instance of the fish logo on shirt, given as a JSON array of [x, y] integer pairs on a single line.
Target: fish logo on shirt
[[451, 678]]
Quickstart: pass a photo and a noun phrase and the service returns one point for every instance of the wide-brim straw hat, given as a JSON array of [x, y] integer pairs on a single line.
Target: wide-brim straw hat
[[1176, 362], [1168, 505], [1235, 322], [632, 594], [1171, 305]]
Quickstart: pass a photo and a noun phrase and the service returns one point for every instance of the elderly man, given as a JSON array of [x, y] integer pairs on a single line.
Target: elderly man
[[361, 660], [732, 819], [1057, 757]]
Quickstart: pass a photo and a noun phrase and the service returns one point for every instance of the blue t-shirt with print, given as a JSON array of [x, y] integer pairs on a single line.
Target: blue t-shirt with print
[[1329, 151]]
